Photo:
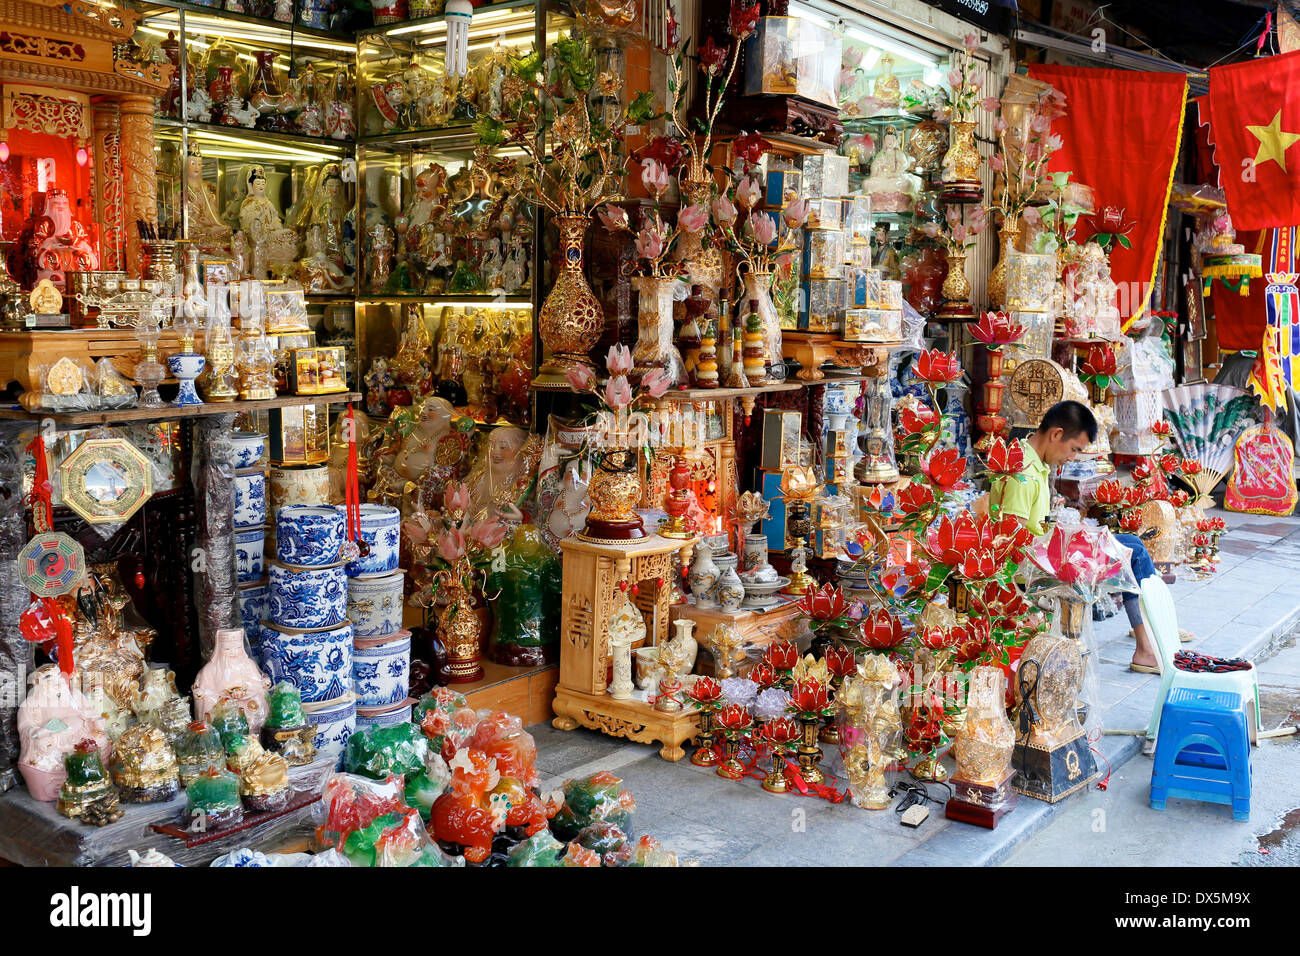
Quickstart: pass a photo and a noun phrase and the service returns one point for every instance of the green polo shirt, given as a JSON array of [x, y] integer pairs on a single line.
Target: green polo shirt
[[1026, 496]]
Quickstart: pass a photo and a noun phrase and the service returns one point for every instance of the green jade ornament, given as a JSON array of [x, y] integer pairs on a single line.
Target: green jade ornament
[[229, 721], [286, 731], [526, 618], [88, 793], [200, 747], [212, 801]]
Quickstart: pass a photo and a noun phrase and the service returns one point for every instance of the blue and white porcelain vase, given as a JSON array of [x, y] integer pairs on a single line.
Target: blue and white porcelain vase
[[309, 536], [250, 498], [318, 663], [381, 670], [374, 604], [384, 716], [250, 449], [309, 597], [250, 546], [254, 606], [185, 368], [381, 529], [335, 721]]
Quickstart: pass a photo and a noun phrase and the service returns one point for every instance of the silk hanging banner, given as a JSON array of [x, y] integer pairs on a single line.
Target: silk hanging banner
[[1255, 131], [1121, 132]]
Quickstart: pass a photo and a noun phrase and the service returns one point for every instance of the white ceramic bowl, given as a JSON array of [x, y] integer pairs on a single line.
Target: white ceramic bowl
[[250, 449]]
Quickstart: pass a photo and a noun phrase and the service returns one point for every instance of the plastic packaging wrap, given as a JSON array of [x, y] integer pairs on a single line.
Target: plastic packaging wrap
[[870, 731], [110, 388], [371, 825], [590, 799], [16, 654], [526, 620], [215, 581]]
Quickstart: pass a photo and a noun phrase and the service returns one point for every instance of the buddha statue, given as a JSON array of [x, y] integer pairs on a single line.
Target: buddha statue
[[271, 242], [891, 187], [327, 217], [886, 89], [504, 473], [205, 225], [412, 365]]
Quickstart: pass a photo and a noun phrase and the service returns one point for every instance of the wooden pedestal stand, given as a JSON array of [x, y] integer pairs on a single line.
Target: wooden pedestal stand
[[981, 804], [758, 629], [592, 572]]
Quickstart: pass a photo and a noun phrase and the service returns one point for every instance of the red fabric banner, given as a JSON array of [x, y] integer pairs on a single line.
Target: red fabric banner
[[1121, 133], [1255, 130]]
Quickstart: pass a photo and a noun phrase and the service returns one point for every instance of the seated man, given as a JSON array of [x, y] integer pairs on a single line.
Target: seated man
[[1066, 429]]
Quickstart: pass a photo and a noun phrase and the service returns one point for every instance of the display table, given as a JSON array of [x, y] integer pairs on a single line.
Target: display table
[[592, 572], [34, 833], [757, 629]]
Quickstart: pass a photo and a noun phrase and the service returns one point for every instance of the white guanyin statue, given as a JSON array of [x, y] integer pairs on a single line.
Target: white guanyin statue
[[891, 187], [271, 242]]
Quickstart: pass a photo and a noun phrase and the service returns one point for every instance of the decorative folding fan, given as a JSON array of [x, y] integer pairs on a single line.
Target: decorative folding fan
[[1207, 420]]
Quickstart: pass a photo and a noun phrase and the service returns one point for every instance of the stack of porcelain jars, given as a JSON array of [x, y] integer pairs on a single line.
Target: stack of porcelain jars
[[250, 530], [307, 640], [381, 668]]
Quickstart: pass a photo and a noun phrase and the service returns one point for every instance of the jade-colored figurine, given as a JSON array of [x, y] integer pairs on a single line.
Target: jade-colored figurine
[[212, 800], [526, 619], [229, 720], [541, 849], [286, 730], [88, 794], [200, 747], [590, 799]]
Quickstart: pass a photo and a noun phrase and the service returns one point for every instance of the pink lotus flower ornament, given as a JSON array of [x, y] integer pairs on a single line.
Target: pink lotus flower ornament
[[693, 219], [654, 176], [724, 211], [451, 545], [656, 382], [619, 360], [795, 214], [761, 227], [613, 218], [457, 499], [618, 392], [579, 377], [748, 192]]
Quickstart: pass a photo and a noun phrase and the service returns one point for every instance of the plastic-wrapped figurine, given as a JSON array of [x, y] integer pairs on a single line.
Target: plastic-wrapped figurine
[[212, 800], [526, 625], [88, 794], [446, 720], [609, 841], [263, 777], [228, 719], [231, 673], [377, 752], [145, 765], [650, 852], [158, 702], [52, 719], [199, 748], [286, 731], [589, 799], [502, 737], [579, 855], [466, 817], [541, 849]]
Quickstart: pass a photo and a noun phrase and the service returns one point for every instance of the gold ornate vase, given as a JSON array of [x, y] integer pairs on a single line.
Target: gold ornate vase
[[984, 745], [961, 165], [461, 629], [956, 291], [615, 491], [996, 287], [571, 320]]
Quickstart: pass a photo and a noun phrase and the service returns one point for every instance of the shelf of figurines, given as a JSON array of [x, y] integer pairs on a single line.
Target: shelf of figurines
[[116, 416], [691, 394], [450, 298], [340, 146], [430, 139], [421, 24], [152, 8]]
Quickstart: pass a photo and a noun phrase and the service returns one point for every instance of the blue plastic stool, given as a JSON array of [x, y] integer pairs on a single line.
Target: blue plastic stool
[[1203, 752]]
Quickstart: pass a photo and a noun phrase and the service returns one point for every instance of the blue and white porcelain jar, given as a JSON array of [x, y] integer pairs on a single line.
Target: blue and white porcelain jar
[[385, 716], [381, 669], [250, 498], [335, 721], [250, 449], [254, 606], [309, 597], [318, 663], [375, 604], [250, 543], [309, 536], [381, 528]]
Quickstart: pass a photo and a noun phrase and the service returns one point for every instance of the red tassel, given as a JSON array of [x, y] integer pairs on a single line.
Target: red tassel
[[352, 491], [64, 628], [39, 499]]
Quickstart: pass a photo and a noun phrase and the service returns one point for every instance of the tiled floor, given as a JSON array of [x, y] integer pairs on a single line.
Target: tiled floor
[[1252, 601]]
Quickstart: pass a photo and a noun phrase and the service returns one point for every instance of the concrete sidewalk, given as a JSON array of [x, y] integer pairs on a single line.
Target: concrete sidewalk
[[1253, 602]]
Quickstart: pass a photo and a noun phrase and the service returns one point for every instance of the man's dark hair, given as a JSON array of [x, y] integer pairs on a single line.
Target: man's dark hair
[[1072, 418]]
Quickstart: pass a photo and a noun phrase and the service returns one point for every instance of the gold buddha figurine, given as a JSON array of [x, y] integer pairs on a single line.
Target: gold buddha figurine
[[145, 766], [263, 776]]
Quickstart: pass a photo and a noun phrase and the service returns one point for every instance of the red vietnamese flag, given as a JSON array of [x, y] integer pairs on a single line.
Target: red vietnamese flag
[[1255, 131], [1121, 133]]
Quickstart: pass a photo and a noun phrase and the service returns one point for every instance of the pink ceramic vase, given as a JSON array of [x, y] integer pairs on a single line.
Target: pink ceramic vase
[[232, 673]]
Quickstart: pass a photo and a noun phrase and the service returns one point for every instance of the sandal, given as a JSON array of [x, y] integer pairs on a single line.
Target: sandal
[[1186, 636], [1143, 669]]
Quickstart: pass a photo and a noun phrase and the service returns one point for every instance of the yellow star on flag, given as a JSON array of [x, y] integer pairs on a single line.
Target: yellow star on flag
[[1273, 142]]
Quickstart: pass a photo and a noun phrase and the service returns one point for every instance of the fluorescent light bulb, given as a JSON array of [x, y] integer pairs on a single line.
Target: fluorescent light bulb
[[893, 46]]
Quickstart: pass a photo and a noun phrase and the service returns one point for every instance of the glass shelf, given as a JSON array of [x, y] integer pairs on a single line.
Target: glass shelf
[[203, 13], [486, 17], [237, 139]]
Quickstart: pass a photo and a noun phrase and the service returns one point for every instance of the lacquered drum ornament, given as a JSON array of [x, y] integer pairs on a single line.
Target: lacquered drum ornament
[[308, 597], [374, 604], [381, 530], [317, 662], [309, 535]]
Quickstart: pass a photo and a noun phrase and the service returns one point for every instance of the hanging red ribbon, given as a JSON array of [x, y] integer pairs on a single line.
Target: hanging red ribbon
[[352, 492], [42, 489], [1263, 37]]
